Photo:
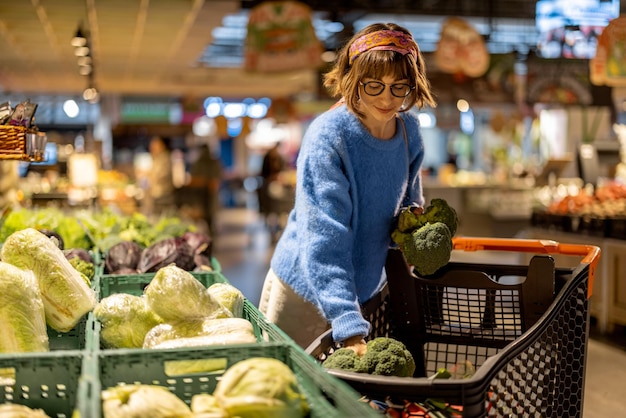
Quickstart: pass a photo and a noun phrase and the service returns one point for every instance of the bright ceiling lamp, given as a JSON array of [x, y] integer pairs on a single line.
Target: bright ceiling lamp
[[70, 107]]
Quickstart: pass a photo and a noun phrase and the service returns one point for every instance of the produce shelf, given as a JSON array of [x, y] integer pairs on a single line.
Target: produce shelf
[[327, 397], [134, 284]]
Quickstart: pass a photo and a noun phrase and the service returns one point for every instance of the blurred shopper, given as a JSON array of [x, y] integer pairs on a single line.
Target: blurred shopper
[[206, 175], [160, 180], [273, 165], [358, 165]]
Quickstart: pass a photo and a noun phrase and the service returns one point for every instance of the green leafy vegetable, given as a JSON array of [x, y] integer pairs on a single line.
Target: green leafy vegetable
[[66, 296], [13, 410], [260, 387], [139, 401], [229, 296], [176, 295], [125, 320], [22, 317]]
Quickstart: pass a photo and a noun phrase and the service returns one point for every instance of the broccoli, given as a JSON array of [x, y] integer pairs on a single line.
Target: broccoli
[[408, 220], [440, 211], [388, 357], [428, 248], [385, 356], [343, 359]]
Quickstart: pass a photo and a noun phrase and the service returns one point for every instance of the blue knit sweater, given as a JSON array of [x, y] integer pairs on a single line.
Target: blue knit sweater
[[350, 186]]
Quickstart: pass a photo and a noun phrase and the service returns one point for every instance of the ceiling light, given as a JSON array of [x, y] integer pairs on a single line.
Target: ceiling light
[[79, 39], [84, 60], [81, 51], [84, 69]]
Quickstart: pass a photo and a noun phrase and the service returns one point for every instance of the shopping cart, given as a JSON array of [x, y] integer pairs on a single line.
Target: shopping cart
[[523, 327]]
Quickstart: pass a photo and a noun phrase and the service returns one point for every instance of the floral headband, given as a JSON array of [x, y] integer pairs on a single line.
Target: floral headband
[[386, 40]]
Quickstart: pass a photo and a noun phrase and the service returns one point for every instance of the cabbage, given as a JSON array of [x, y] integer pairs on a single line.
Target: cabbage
[[123, 255], [142, 401], [13, 410], [126, 319], [165, 252], [175, 295], [260, 387], [22, 317], [220, 328], [204, 405], [66, 296], [229, 296]]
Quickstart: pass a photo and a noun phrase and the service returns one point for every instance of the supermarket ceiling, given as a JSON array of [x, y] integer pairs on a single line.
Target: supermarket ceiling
[[195, 47]]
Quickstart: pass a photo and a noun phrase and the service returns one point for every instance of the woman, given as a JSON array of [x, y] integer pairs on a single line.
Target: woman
[[358, 165]]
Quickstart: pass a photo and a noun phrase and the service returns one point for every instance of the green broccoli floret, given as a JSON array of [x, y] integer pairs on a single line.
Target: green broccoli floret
[[84, 267], [429, 248], [440, 211], [387, 357], [407, 220], [343, 359]]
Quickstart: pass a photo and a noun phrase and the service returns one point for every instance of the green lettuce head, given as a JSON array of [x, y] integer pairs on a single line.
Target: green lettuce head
[[66, 296], [125, 320], [137, 400], [260, 387], [22, 317], [176, 295]]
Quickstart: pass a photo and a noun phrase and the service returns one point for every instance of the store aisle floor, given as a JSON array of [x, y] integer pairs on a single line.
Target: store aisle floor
[[243, 247]]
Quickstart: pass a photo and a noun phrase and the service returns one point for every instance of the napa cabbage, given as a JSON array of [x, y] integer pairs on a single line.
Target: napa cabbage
[[125, 320], [66, 296], [176, 295], [142, 401], [22, 317], [260, 387]]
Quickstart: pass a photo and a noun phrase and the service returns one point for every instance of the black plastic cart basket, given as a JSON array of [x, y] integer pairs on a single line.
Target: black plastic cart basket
[[523, 327]]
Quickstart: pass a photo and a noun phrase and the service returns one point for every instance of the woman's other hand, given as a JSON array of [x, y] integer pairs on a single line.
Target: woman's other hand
[[356, 344]]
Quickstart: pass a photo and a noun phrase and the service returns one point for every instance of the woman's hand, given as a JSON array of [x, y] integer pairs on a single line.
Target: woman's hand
[[356, 344]]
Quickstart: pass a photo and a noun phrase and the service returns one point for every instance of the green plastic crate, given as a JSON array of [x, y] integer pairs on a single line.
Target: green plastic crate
[[135, 283], [327, 397], [48, 381], [74, 339]]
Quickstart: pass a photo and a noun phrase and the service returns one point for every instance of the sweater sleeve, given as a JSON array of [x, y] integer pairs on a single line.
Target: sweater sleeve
[[324, 208], [415, 192]]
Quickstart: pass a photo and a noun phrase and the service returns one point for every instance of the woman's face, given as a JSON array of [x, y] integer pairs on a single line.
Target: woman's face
[[380, 108]]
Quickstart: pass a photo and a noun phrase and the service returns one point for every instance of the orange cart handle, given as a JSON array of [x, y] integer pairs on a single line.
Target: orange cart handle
[[591, 253]]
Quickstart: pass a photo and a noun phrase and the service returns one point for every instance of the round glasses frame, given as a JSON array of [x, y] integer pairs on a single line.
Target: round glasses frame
[[376, 88]]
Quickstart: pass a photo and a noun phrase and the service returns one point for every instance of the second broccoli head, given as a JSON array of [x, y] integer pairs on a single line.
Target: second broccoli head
[[426, 239], [384, 357]]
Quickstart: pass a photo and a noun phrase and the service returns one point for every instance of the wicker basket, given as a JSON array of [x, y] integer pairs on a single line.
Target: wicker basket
[[13, 144]]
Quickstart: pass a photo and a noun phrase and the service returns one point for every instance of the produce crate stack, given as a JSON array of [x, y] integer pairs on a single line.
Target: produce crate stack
[[487, 339], [68, 380], [192, 370]]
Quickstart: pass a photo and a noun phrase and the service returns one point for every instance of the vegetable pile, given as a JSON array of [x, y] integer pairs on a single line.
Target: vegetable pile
[[425, 238], [384, 356], [39, 287], [175, 310], [258, 387]]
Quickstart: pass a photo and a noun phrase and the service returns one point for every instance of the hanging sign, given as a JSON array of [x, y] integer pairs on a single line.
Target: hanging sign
[[461, 49], [608, 67], [281, 37]]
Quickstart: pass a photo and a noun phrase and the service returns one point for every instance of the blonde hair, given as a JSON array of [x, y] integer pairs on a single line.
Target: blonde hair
[[343, 79]]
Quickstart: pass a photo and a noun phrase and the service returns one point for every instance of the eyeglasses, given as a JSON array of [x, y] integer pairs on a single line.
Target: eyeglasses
[[376, 88]]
